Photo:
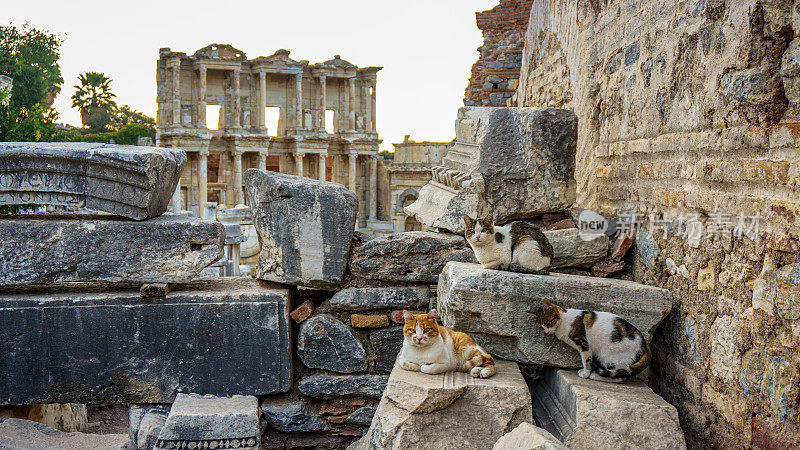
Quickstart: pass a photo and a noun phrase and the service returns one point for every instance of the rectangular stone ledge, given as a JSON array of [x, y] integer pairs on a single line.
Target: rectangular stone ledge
[[221, 337], [129, 181], [491, 306], [589, 414], [44, 250]]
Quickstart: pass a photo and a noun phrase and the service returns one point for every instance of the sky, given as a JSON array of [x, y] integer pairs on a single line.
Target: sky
[[425, 47]]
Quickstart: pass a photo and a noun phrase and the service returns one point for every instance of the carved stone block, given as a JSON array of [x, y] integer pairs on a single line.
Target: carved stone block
[[207, 421]]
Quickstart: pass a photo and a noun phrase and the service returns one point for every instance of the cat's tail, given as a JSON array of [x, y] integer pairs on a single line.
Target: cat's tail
[[625, 372]]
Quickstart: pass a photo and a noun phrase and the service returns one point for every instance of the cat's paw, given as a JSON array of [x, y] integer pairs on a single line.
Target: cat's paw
[[584, 373], [475, 372], [428, 368], [410, 366]]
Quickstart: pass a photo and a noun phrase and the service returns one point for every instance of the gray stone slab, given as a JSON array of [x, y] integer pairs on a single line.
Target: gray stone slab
[[518, 162], [223, 337], [46, 250], [412, 256], [145, 422], [324, 342], [291, 417], [491, 306], [387, 343], [305, 228], [410, 297], [23, 434], [212, 422], [323, 385], [569, 250], [129, 181], [450, 410], [588, 414]]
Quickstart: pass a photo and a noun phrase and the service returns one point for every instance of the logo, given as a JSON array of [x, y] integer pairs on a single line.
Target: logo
[[591, 225]]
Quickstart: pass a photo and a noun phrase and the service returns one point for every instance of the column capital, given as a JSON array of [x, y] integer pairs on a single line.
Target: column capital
[[237, 152], [203, 153], [202, 70]]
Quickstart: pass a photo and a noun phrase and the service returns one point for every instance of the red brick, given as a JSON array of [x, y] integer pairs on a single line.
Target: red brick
[[303, 311], [337, 419], [562, 225], [608, 268], [333, 409], [621, 246], [360, 402], [348, 431]]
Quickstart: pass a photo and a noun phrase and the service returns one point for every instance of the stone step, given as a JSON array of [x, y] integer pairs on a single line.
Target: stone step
[[528, 437], [24, 434], [207, 421], [48, 250], [451, 410], [129, 181], [491, 306], [223, 337], [588, 414]]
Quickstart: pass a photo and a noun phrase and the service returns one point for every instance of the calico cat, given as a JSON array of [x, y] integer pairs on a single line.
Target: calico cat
[[516, 246], [432, 348], [611, 348]]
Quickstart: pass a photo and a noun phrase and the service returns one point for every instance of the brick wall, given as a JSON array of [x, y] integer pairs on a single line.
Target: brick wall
[[687, 111], [494, 76]]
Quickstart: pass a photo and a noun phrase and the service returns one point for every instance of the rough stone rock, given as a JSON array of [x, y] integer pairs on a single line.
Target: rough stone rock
[[519, 161], [369, 320], [167, 249], [412, 256], [27, 435], [528, 437], [588, 414], [569, 250], [326, 343], [129, 181], [292, 416], [208, 419], [788, 298], [322, 385], [61, 416], [387, 344], [119, 348], [145, 423], [362, 416], [304, 226], [410, 297], [432, 410], [491, 306]]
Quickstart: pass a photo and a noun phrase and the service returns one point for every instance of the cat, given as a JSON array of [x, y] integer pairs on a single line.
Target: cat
[[431, 348], [516, 246], [611, 348]]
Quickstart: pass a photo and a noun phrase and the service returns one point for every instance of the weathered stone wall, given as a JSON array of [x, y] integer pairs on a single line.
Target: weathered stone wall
[[686, 109], [494, 76]]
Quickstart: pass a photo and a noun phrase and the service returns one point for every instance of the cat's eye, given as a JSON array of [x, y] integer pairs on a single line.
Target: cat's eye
[[428, 330]]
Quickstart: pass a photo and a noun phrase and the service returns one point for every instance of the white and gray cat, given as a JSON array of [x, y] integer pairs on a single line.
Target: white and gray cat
[[516, 246], [611, 348]]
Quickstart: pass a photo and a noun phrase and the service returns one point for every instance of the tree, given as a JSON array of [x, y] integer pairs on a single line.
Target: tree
[[125, 115], [30, 57], [94, 99]]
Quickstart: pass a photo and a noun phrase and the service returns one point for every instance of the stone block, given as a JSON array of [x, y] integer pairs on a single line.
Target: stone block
[[387, 344], [519, 161], [291, 417], [435, 411], [167, 249], [129, 181], [25, 434], [588, 414], [569, 250], [61, 416], [228, 422], [362, 416], [305, 228], [119, 348], [369, 320], [528, 437], [326, 343], [145, 422], [412, 256], [325, 386], [410, 297], [491, 306]]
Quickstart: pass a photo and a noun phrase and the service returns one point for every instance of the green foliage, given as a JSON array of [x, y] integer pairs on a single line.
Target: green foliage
[[387, 155], [127, 135], [34, 124], [126, 115], [30, 57], [94, 99]]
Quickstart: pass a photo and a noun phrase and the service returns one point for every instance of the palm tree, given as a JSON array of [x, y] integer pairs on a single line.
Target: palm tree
[[93, 96]]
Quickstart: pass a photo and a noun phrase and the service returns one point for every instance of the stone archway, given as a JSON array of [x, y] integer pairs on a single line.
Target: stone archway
[[406, 198]]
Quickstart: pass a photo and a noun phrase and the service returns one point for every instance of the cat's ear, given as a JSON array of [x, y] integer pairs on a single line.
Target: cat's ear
[[469, 222], [407, 316], [547, 305], [432, 315], [490, 218]]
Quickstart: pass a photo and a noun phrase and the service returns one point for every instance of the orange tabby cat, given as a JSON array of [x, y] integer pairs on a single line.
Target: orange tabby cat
[[432, 348]]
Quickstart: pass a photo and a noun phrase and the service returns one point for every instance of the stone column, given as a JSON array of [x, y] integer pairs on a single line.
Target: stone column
[[321, 169], [177, 207], [351, 103], [298, 163], [373, 108], [237, 101], [238, 194], [367, 110], [352, 172], [176, 93], [262, 100], [322, 101], [373, 188], [262, 160], [298, 91], [201, 101], [202, 169]]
